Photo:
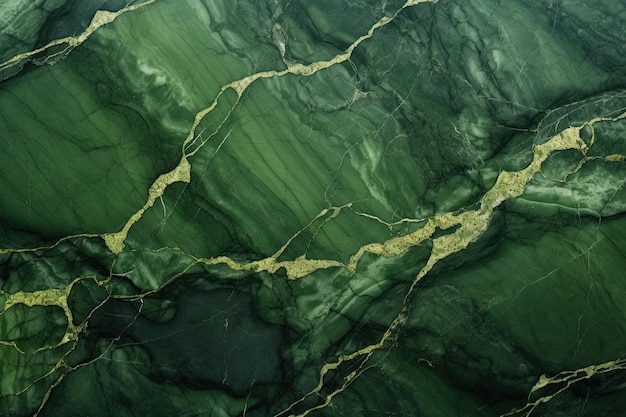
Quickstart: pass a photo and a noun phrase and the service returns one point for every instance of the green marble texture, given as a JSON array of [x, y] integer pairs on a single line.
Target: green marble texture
[[327, 208]]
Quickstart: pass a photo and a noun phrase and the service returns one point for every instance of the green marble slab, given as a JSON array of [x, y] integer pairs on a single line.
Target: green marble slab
[[326, 208]]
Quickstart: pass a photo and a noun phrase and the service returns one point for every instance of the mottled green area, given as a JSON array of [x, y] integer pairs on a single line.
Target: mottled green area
[[33, 327], [270, 208]]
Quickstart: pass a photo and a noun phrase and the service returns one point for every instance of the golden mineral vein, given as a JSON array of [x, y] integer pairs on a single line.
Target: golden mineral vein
[[566, 379], [50, 297], [101, 18], [182, 172], [471, 225]]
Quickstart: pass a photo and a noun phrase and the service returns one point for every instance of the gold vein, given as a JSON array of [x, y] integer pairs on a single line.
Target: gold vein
[[471, 225], [101, 18]]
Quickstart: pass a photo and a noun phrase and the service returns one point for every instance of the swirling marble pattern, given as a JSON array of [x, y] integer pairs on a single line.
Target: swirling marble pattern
[[291, 208]]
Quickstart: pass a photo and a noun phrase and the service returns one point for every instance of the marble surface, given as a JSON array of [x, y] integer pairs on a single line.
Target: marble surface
[[291, 208]]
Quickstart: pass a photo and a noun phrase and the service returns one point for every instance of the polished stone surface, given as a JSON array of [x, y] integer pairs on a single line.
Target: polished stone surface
[[291, 208]]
